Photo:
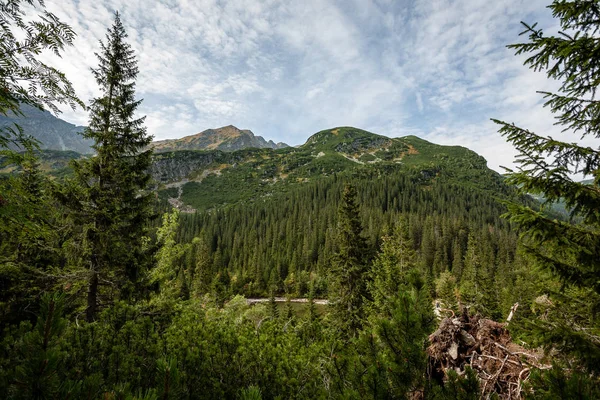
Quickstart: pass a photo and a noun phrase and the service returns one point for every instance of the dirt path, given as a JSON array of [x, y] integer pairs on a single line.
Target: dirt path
[[283, 300]]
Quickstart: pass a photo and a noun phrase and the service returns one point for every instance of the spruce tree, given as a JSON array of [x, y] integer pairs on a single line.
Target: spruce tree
[[203, 267], [348, 286], [112, 202], [546, 166]]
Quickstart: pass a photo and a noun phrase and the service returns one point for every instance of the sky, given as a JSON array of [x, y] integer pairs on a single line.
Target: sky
[[437, 69]]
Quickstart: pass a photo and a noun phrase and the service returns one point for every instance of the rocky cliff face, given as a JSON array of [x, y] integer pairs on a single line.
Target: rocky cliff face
[[175, 166], [227, 138], [52, 133]]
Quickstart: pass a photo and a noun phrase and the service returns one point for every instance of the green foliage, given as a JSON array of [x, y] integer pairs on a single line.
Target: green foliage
[[291, 235], [170, 272], [35, 367], [168, 378], [459, 387], [477, 286], [445, 288], [401, 337], [251, 393], [569, 249], [392, 349], [27, 241], [391, 267], [29, 238], [201, 279], [555, 383], [122, 346]]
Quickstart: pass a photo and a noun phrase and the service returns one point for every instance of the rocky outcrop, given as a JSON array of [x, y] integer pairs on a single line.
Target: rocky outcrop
[[168, 167]]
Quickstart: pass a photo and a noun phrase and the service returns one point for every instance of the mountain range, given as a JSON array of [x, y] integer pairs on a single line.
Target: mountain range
[[53, 133], [226, 166], [203, 180]]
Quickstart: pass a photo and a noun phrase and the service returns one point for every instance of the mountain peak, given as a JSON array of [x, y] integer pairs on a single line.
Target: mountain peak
[[342, 137], [226, 138]]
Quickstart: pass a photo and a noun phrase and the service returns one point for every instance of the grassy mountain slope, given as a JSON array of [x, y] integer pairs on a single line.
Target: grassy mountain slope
[[212, 178], [206, 179]]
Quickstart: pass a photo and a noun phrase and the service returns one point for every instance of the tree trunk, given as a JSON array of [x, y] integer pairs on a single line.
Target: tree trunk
[[90, 312]]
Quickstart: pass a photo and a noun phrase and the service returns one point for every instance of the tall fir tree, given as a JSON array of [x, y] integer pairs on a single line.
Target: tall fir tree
[[348, 274], [546, 166], [112, 202]]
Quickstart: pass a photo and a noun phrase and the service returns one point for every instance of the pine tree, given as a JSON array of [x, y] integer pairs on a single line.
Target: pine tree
[[569, 249], [289, 310], [113, 203], [203, 268], [348, 273], [312, 308], [40, 373], [400, 320], [391, 266], [169, 272], [273, 307]]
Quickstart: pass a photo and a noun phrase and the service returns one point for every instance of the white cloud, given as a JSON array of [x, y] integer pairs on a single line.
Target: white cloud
[[286, 69], [419, 100]]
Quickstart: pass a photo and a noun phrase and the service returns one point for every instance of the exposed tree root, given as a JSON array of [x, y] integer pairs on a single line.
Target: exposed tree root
[[485, 345]]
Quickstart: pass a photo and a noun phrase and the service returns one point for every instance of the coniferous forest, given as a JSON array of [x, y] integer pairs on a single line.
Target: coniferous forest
[[430, 278]]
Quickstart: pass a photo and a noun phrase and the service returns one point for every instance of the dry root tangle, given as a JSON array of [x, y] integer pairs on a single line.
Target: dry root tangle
[[485, 345]]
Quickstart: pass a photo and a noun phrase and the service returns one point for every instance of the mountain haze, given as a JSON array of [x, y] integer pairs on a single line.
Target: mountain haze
[[52, 133], [227, 138]]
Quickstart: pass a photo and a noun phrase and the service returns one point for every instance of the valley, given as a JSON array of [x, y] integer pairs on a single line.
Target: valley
[[360, 264]]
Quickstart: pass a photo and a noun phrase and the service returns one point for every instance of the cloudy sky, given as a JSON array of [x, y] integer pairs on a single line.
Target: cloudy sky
[[438, 69]]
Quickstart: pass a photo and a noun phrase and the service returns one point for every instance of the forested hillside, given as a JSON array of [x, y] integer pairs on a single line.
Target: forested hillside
[[126, 274]]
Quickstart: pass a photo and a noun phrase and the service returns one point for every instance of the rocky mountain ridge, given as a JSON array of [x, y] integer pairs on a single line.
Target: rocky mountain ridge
[[54, 133], [227, 138]]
